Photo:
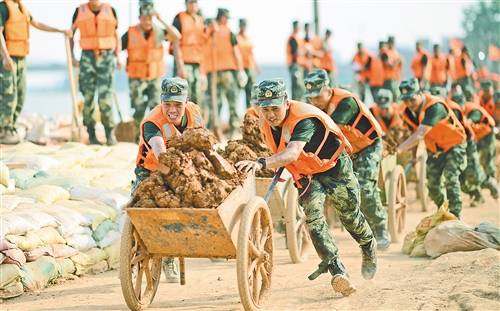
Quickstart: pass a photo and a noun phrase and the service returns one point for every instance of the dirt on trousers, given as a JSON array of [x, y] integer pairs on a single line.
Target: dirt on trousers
[[250, 147], [190, 175]]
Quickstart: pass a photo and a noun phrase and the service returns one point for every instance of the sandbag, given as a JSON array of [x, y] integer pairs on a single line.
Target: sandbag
[[68, 219], [38, 252], [15, 224], [5, 244], [67, 267], [35, 162], [63, 250], [97, 268], [455, 236], [85, 260], [109, 239], [10, 188], [35, 217], [10, 280], [49, 235], [46, 193], [43, 178], [102, 230], [81, 242], [111, 198], [23, 177], [4, 174], [40, 273], [116, 179], [26, 242], [95, 213], [14, 256], [113, 252], [10, 202]]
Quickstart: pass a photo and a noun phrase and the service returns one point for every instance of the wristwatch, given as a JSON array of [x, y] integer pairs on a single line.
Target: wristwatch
[[262, 161]]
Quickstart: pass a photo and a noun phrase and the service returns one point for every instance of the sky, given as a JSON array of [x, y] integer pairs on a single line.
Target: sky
[[269, 22]]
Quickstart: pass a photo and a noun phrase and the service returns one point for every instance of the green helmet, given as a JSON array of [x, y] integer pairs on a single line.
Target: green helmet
[[315, 81], [408, 88]]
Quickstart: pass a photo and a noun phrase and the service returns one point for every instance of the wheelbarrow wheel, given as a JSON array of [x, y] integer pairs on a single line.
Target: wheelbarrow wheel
[[421, 172], [139, 271], [298, 240], [254, 256], [397, 203]]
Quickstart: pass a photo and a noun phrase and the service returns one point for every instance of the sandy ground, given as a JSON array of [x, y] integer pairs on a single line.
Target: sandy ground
[[459, 281]]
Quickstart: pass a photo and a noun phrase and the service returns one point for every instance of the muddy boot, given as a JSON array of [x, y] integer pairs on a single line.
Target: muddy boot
[[369, 264], [340, 280], [170, 270], [92, 137], [491, 184], [383, 240], [110, 136], [9, 137]]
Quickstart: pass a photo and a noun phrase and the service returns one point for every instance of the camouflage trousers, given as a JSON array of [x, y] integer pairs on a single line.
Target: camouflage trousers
[[227, 90], [366, 164], [343, 190], [487, 153], [361, 86], [443, 177], [12, 92], [144, 94], [393, 86], [193, 77], [473, 176], [97, 74], [297, 78], [248, 87]]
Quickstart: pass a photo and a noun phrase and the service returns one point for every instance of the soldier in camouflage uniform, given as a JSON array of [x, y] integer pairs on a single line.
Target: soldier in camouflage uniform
[[431, 120], [15, 22], [365, 159], [144, 85], [295, 62], [97, 64], [289, 125]]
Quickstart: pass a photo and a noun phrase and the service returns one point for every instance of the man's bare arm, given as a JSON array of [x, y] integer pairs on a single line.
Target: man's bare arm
[[158, 145], [415, 138]]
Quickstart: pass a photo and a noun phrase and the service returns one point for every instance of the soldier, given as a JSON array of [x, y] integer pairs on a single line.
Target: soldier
[[394, 54], [15, 21], [440, 66], [325, 59], [385, 111], [168, 119], [365, 135], [392, 64], [431, 120], [249, 64], [297, 135], [360, 63], [486, 97], [189, 50], [100, 43], [295, 60], [421, 65], [145, 65], [463, 69]]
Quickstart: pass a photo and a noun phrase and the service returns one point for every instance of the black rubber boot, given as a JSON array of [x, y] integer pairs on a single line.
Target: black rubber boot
[[369, 264], [340, 279], [92, 137], [110, 136]]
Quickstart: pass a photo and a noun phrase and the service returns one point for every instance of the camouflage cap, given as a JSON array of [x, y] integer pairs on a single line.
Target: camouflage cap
[[315, 81], [254, 94], [242, 22], [438, 91], [458, 98], [271, 93], [146, 8], [496, 97], [383, 98], [408, 88], [174, 89], [222, 12], [486, 84]]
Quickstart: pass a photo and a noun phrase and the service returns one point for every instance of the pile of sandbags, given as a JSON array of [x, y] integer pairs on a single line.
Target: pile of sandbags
[[191, 174], [63, 214]]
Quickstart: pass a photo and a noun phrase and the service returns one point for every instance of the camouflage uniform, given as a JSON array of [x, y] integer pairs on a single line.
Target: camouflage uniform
[[248, 87], [297, 78], [344, 191], [366, 165], [473, 176], [227, 88], [12, 92], [487, 153], [97, 73], [193, 77], [143, 94]]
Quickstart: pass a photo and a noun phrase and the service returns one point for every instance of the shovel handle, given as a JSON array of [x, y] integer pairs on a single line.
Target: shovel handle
[[275, 180]]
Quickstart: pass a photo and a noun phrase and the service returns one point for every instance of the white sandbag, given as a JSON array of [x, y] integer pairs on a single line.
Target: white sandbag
[[113, 252], [4, 174], [10, 188], [67, 267], [48, 235], [119, 179], [455, 236], [66, 217], [37, 218], [23, 177], [26, 242], [10, 202], [40, 273], [111, 237], [46, 194], [35, 162], [12, 290], [15, 224], [10, 278], [85, 260], [94, 212], [114, 199], [102, 230], [63, 250], [81, 242], [43, 178]]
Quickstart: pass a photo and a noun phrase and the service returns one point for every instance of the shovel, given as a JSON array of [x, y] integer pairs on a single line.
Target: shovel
[[275, 180], [125, 131]]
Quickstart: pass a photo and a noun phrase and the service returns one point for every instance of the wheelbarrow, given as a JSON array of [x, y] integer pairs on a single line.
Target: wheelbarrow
[[284, 207], [240, 227]]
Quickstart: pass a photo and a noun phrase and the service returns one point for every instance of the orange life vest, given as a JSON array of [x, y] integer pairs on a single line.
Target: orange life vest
[[391, 73], [145, 57], [193, 38], [360, 60], [146, 157], [17, 29], [395, 121], [300, 51], [446, 134], [224, 53], [246, 49], [460, 114], [376, 72], [485, 125], [451, 69], [439, 69], [308, 163], [207, 65], [488, 105], [327, 62], [358, 140], [462, 71], [97, 32], [419, 71]]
